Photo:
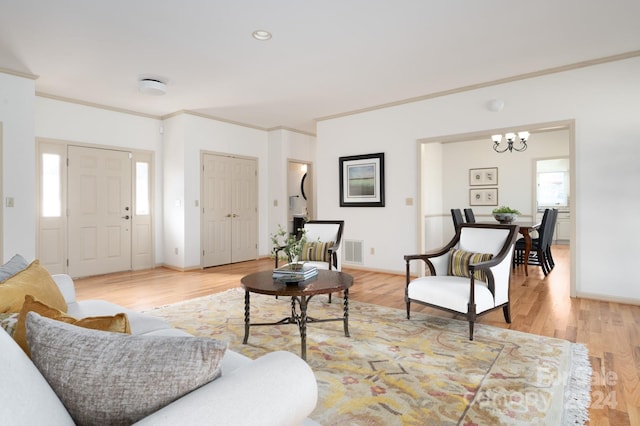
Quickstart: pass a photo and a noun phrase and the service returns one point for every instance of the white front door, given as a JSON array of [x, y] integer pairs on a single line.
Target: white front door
[[229, 210], [99, 211]]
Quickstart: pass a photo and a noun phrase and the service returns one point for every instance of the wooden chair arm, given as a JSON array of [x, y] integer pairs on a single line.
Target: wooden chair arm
[[275, 252]]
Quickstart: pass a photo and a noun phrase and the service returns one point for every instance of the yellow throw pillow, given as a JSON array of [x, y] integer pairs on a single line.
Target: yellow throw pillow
[[118, 323], [34, 280]]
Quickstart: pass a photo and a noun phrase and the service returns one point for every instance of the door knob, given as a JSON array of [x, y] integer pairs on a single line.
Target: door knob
[[229, 215], [126, 217]]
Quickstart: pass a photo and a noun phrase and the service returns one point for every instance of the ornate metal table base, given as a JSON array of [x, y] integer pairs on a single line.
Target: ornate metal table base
[[299, 318]]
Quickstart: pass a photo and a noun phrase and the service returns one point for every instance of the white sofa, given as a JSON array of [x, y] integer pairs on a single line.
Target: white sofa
[[276, 389]]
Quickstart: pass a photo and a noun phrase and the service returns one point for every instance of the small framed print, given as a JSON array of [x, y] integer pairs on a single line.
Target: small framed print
[[483, 176], [483, 197]]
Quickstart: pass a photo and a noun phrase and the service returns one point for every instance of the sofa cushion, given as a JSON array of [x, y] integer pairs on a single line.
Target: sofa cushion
[[459, 263], [111, 378], [316, 251], [16, 264], [34, 280], [117, 323]]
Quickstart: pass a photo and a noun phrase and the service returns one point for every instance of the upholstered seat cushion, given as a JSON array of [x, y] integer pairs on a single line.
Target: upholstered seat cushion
[[450, 292]]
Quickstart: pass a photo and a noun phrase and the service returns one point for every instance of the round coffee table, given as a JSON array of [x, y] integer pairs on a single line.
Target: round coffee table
[[326, 282]]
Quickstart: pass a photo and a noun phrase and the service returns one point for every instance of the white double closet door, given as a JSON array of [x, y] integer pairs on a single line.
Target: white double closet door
[[229, 209]]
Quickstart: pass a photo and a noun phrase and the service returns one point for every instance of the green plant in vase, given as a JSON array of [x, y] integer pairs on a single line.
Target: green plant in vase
[[505, 214], [288, 245]]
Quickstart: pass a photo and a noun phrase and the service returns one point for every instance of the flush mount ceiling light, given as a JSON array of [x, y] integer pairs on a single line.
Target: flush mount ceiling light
[[495, 105], [152, 86], [523, 136], [261, 35]]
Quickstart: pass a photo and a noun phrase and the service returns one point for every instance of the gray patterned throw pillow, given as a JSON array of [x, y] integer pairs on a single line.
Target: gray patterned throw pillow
[[112, 378], [16, 264]]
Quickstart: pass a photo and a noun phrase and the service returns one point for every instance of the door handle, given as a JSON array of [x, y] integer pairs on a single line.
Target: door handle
[[229, 215], [126, 217], [234, 215]]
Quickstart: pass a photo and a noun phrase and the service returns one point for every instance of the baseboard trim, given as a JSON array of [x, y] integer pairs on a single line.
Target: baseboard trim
[[606, 298], [367, 268]]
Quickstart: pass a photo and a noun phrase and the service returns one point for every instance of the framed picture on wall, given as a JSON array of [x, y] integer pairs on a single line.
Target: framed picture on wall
[[362, 180], [483, 176], [483, 197]]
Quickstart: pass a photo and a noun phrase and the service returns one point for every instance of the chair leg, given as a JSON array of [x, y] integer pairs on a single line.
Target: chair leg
[[471, 317], [550, 258], [408, 309], [506, 310], [329, 297]]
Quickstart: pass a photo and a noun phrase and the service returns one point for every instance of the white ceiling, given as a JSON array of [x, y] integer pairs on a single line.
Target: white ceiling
[[325, 58]]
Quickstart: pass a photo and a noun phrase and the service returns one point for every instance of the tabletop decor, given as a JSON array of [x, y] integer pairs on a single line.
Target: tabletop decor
[[505, 214], [394, 371], [290, 245], [362, 180]]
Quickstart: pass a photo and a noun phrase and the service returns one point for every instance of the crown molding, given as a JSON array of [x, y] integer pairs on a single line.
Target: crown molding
[[211, 117], [554, 70], [290, 129], [19, 73], [95, 105]]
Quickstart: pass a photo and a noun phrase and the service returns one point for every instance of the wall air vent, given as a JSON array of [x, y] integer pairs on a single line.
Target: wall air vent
[[353, 251]]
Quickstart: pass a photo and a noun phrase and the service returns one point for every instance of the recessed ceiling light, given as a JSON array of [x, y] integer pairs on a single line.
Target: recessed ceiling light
[[261, 35]]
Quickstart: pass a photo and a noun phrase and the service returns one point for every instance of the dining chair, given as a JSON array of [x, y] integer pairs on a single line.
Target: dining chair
[[456, 215], [469, 216], [471, 275], [541, 246]]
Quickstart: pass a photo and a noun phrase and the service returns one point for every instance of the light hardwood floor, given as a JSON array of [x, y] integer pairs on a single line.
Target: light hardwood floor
[[539, 305]]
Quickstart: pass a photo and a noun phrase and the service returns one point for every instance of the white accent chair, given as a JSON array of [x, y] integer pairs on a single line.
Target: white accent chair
[[324, 231], [466, 295]]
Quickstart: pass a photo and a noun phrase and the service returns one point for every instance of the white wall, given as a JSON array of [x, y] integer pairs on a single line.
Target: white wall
[[18, 166], [604, 100], [202, 134], [72, 122]]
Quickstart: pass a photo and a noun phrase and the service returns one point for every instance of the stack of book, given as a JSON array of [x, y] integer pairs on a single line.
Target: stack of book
[[289, 274]]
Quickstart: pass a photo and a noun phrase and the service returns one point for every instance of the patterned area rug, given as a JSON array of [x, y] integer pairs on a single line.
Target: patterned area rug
[[394, 371]]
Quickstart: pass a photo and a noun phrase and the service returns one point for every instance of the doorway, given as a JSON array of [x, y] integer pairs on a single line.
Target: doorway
[[94, 209], [431, 171], [300, 195]]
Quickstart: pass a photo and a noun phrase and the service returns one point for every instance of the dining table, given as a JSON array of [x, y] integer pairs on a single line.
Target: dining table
[[525, 228]]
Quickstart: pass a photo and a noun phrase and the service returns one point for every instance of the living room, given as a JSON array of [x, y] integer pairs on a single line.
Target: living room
[[600, 95]]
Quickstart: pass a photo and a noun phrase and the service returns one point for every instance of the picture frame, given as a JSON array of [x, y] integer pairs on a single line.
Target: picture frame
[[362, 180], [483, 197], [483, 176]]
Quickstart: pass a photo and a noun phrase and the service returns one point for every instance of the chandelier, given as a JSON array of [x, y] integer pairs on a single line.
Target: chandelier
[[510, 137]]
